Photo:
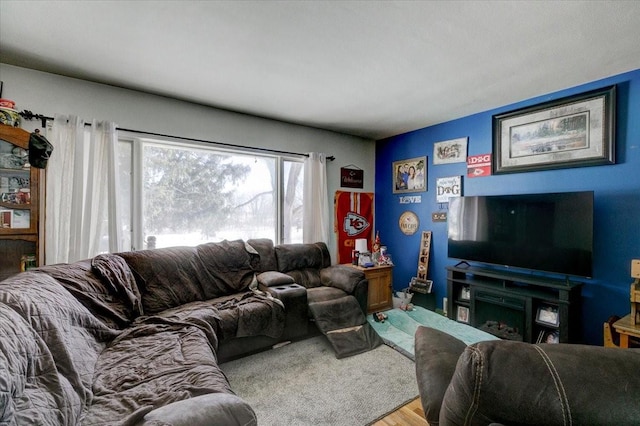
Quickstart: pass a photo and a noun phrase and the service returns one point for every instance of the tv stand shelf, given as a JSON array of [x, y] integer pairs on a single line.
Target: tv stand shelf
[[513, 305]]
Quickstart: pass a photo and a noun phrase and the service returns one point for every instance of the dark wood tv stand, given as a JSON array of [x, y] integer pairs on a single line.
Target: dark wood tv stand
[[515, 305]]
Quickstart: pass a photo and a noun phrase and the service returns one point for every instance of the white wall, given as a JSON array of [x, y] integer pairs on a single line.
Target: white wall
[[48, 94]]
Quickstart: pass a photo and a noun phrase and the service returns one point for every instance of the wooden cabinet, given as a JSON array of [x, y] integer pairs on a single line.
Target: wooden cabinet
[[515, 306], [21, 196], [380, 280]]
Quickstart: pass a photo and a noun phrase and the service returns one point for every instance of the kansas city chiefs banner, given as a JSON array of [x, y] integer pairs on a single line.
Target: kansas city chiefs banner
[[354, 219]]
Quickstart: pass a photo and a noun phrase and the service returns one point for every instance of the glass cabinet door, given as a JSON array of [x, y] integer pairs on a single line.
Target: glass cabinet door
[[20, 239], [15, 190]]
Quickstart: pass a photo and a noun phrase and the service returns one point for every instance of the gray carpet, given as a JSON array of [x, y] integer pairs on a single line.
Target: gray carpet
[[304, 384]]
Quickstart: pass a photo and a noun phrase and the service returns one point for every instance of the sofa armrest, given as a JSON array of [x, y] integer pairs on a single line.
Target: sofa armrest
[[203, 410], [294, 299], [273, 278], [513, 382], [343, 277], [436, 355], [349, 280]]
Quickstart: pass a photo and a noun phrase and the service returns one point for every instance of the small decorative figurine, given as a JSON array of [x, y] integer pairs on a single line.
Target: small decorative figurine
[[376, 243]]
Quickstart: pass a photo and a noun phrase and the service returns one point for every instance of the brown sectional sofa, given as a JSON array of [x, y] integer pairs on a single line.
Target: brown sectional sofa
[[136, 338]]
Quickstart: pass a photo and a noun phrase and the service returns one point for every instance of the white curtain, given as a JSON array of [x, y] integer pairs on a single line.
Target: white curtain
[[82, 211], [316, 200]]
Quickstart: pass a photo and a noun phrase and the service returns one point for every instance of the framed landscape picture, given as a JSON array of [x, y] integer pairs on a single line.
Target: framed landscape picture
[[570, 132], [409, 175]]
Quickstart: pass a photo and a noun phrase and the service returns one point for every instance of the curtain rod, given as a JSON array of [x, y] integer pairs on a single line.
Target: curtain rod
[[28, 115]]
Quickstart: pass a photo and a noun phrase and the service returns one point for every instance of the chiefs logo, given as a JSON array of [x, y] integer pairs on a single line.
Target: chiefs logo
[[354, 224]]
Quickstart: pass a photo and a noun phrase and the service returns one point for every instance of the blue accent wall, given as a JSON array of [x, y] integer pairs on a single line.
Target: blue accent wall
[[616, 188]]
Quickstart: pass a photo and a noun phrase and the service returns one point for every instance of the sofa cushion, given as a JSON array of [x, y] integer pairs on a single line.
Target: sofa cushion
[[293, 257], [169, 277], [166, 277], [226, 267], [115, 273], [308, 278], [323, 294], [239, 315], [266, 250], [104, 285], [436, 355]]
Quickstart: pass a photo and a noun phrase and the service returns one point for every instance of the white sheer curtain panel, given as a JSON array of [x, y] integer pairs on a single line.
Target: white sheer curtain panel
[[82, 218], [62, 203], [316, 199]]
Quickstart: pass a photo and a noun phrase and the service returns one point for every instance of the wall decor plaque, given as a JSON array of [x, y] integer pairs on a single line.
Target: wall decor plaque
[[423, 260], [448, 187], [479, 165], [409, 223], [451, 151], [439, 217], [351, 177]]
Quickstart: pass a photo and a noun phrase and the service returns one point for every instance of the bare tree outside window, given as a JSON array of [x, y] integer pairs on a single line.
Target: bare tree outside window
[[292, 205], [195, 194]]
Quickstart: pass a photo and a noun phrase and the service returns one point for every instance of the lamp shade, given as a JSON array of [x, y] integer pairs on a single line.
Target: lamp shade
[[361, 245]]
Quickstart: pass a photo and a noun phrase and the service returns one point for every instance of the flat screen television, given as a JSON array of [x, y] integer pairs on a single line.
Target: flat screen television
[[550, 232]]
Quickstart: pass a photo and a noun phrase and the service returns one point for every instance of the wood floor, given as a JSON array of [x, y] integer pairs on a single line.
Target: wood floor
[[410, 414]]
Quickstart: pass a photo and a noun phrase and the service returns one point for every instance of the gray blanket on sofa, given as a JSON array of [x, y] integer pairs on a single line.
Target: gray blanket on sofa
[[86, 344]]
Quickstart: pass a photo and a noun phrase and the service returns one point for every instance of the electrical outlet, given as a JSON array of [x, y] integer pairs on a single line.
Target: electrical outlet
[[635, 268]]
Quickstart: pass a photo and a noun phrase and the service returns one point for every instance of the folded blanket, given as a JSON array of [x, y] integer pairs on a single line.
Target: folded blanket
[[399, 329]]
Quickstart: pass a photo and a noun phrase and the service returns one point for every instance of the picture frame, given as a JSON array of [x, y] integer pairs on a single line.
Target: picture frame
[[21, 219], [548, 315], [548, 336], [364, 259], [409, 175], [421, 285], [465, 293], [451, 151], [574, 131], [6, 218], [462, 314]]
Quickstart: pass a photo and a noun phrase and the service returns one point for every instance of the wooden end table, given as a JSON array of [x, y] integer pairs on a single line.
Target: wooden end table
[[626, 328], [380, 279]]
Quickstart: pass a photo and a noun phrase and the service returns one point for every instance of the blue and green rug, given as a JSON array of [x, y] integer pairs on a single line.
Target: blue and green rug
[[399, 329]]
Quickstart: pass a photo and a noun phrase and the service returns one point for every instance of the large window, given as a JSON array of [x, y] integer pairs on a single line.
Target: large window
[[191, 193]]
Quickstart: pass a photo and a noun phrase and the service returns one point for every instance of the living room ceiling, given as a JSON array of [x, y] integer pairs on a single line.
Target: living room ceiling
[[367, 68]]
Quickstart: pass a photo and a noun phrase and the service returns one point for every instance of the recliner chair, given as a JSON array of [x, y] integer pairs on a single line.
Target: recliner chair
[[516, 383]]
